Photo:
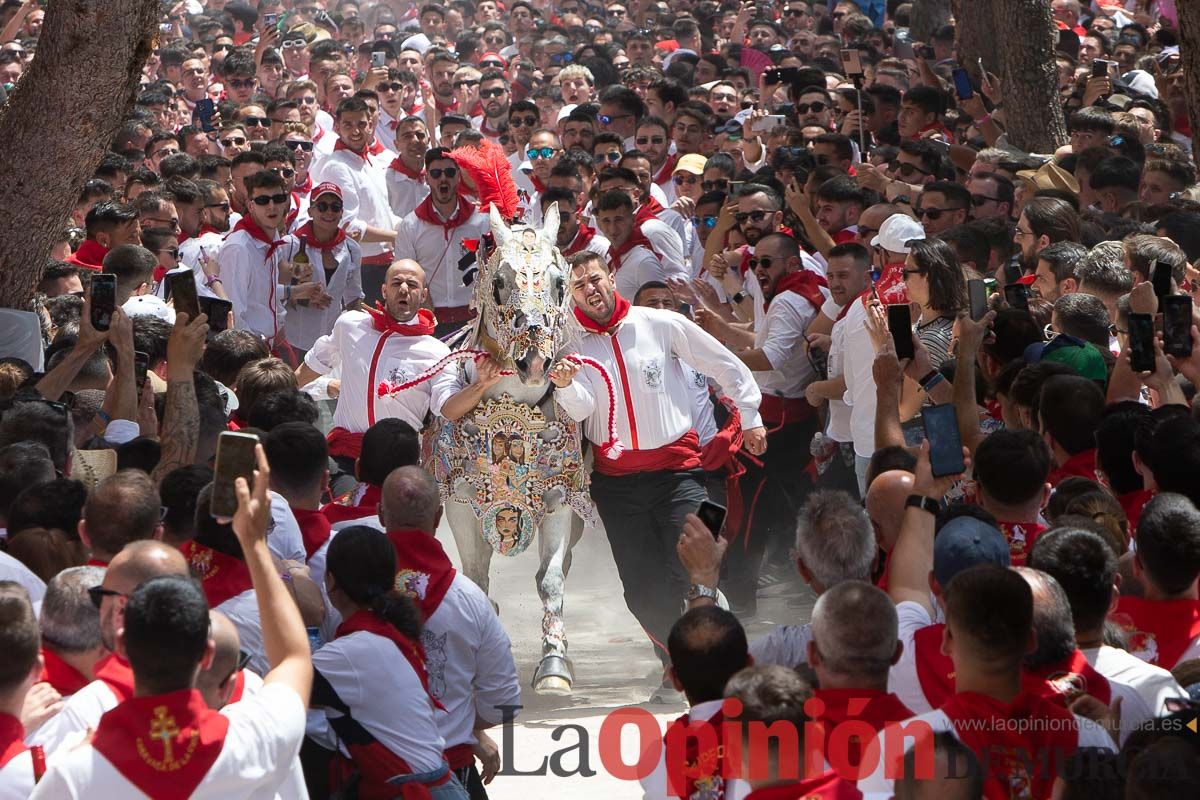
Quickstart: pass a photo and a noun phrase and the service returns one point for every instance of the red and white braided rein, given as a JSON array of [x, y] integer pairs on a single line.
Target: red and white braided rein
[[610, 449]]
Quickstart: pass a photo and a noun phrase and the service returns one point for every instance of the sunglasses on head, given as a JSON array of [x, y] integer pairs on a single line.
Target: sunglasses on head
[[449, 172], [705, 222], [686, 180], [816, 108], [534, 153], [522, 122], [323, 206], [257, 122], [489, 93], [752, 216], [297, 144], [267, 199]]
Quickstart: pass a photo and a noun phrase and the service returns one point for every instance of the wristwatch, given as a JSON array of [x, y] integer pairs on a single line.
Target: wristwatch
[[738, 298], [924, 503], [697, 590]]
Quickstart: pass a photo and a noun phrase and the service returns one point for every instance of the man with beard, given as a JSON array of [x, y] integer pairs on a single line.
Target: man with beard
[[1044, 221], [442, 65], [542, 154], [653, 138], [495, 97], [196, 250], [406, 174], [658, 225], [433, 235], [522, 122], [574, 235], [578, 130]]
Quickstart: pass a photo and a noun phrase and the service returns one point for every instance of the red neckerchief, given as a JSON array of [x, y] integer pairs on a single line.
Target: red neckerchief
[[538, 186], [12, 738], [423, 570], [385, 323], [306, 234], [251, 227], [636, 239], [221, 575], [116, 674], [936, 125], [621, 307], [180, 239], [647, 210], [1158, 631], [239, 687], [1133, 503], [444, 107], [871, 706], [399, 166], [696, 765], [863, 295], [90, 254], [829, 786], [362, 501], [376, 147], [1067, 680], [314, 529], [364, 154], [583, 238], [668, 170], [1020, 536], [65, 679], [303, 189], [890, 286], [935, 670], [462, 212], [293, 211], [412, 651], [163, 744], [1082, 464], [1008, 736], [206, 228], [843, 236], [803, 282], [96, 562]]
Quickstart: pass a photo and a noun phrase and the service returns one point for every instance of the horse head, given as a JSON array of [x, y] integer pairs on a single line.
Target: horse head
[[521, 294]]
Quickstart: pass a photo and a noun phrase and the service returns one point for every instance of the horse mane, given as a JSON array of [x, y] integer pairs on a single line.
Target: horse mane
[[492, 174]]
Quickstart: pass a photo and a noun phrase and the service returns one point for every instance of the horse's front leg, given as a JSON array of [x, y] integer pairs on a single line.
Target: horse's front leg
[[553, 674]]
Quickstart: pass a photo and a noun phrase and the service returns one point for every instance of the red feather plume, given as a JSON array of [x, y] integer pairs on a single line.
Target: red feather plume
[[492, 174]]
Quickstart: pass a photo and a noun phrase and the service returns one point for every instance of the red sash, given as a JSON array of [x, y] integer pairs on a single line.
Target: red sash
[[1067, 680], [90, 255], [776, 410], [251, 227], [935, 670], [363, 501], [116, 674], [1081, 465], [829, 786], [1007, 738], [1020, 536], [1133, 503], [617, 254], [412, 650], [872, 706], [399, 166], [314, 529], [426, 213], [385, 323], [681, 455], [306, 234], [423, 570], [621, 307], [697, 766], [583, 238], [804, 283], [1159, 631], [344, 443], [65, 679], [222, 576], [163, 744]]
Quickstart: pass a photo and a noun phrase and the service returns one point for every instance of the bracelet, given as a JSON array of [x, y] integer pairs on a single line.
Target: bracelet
[[932, 382], [927, 504], [986, 118], [211, 279], [933, 373]]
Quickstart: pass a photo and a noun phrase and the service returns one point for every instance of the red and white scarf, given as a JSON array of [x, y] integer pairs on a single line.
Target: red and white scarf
[[616, 255], [429, 215], [222, 576], [306, 234], [1159, 631], [251, 227], [583, 238], [423, 570]]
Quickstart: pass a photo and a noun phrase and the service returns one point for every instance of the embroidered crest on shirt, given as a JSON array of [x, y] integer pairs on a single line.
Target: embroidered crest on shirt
[[164, 730], [399, 375], [652, 373], [201, 563], [435, 661], [1069, 684]]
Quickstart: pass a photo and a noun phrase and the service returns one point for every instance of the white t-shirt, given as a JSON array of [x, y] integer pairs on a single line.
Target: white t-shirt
[[81, 711], [902, 678], [261, 745], [858, 359], [654, 785]]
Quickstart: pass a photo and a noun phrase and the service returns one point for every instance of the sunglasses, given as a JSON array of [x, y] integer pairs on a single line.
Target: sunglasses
[[642, 141], [607, 119], [616, 12], [172, 251], [389, 87], [296, 144], [719, 185], [753, 216], [247, 84], [173, 224], [906, 170], [561, 58], [534, 153], [292, 44], [522, 122], [705, 222], [816, 108], [612, 157], [686, 180], [488, 93], [979, 199], [257, 122], [762, 261], [267, 199], [283, 172], [98, 593], [233, 141], [324, 207], [223, 206], [217, 48], [794, 12], [449, 172], [933, 214], [461, 84], [490, 65]]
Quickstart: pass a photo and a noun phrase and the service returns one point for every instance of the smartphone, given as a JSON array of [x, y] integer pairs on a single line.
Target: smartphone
[[270, 20], [235, 459], [217, 311], [1141, 342], [104, 300], [205, 109], [1012, 271], [852, 63], [1101, 68], [900, 324], [977, 293], [378, 59], [1016, 295], [141, 365], [781, 75], [181, 288], [1177, 325], [713, 517], [1160, 275], [941, 145], [962, 84], [991, 286], [926, 52], [769, 122], [945, 444]]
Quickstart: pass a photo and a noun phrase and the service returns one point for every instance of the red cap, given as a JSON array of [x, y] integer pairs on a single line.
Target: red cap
[[325, 188], [1027, 280]]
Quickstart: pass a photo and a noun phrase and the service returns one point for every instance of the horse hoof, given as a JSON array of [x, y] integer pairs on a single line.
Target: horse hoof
[[553, 676], [553, 686]]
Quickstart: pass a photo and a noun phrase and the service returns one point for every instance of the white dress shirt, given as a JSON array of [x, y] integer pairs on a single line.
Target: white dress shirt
[[254, 284], [404, 193], [442, 254]]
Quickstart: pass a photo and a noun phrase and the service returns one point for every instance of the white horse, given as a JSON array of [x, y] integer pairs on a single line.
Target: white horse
[[513, 466]]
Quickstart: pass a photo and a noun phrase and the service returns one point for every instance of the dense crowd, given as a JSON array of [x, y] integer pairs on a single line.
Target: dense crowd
[[825, 318]]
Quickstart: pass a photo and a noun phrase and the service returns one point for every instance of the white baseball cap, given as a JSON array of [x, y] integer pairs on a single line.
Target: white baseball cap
[[896, 231]]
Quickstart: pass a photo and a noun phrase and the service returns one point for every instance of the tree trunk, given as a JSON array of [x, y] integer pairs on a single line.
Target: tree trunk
[[975, 35], [1026, 37], [1189, 54], [59, 123], [927, 17]]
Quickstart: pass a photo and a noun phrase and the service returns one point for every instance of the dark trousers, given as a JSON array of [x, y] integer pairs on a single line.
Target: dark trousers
[[472, 782], [839, 473], [772, 494], [643, 516]]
